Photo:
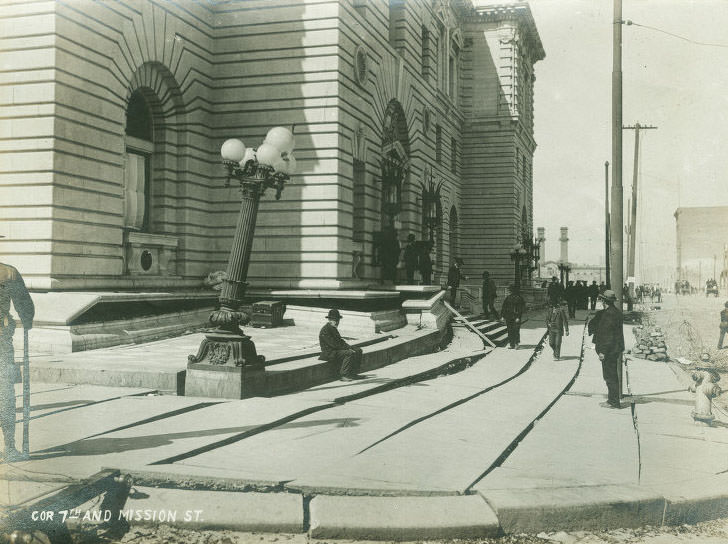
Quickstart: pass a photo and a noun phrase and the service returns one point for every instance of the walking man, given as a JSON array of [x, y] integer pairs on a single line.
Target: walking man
[[609, 345], [489, 295], [593, 295], [12, 288], [454, 275], [571, 297], [511, 313], [335, 349], [557, 324], [723, 325]]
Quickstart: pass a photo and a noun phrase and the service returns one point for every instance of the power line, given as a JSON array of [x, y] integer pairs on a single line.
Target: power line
[[629, 22]]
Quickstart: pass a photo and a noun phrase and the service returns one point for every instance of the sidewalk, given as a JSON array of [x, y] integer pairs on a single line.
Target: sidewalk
[[504, 442]]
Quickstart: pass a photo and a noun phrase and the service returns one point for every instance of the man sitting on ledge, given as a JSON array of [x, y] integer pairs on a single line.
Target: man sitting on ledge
[[334, 348]]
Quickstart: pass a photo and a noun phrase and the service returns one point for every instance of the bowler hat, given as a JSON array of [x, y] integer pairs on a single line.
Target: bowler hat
[[609, 295], [333, 314]]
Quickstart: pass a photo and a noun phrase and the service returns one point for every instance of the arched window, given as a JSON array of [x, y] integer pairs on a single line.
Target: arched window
[[137, 162]]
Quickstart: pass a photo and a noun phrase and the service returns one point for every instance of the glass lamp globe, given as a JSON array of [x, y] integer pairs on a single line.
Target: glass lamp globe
[[282, 138], [233, 150], [268, 154]]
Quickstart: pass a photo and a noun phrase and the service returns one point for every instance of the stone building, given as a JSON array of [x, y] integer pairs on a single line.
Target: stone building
[[113, 114], [702, 239]]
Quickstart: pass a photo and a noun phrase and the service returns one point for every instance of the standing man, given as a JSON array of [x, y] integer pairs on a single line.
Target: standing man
[[411, 258], [593, 295], [335, 349], [511, 313], [454, 275], [489, 295], [12, 288], [389, 254], [609, 345], [723, 325], [557, 323], [425, 263], [555, 291], [571, 297]]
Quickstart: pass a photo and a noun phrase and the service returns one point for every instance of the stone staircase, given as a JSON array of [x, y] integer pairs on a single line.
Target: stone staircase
[[495, 331]]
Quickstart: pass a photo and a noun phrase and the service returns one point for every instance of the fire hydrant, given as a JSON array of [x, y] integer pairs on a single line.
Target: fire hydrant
[[705, 389]]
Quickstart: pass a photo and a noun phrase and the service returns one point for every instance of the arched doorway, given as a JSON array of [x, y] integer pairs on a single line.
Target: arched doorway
[[453, 239]]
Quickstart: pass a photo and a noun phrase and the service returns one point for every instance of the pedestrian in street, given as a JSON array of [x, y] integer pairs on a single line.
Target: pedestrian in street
[[512, 313], [12, 289], [723, 325], [425, 263], [593, 295], [602, 287], [609, 345], [557, 324], [658, 293], [335, 349], [454, 275], [555, 291], [489, 295], [411, 259], [571, 295]]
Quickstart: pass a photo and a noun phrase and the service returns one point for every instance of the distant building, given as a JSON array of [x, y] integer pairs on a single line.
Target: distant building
[[114, 113], [702, 244]]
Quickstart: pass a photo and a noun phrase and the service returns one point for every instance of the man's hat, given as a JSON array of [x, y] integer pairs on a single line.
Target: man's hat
[[410, 237], [333, 314], [609, 295], [554, 278]]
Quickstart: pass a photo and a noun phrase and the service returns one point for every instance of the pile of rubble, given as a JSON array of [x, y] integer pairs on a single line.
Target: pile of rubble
[[650, 343]]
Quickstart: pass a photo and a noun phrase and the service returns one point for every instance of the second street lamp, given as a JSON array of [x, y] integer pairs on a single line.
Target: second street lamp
[[517, 256]]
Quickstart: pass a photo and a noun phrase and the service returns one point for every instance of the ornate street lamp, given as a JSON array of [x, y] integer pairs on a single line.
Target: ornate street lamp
[[255, 170], [393, 171], [517, 256], [533, 249], [431, 204]]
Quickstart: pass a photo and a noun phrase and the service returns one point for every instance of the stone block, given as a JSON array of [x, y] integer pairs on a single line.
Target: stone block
[[575, 508], [401, 518]]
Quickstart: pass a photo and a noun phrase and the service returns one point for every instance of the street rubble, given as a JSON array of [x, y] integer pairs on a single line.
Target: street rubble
[[650, 343]]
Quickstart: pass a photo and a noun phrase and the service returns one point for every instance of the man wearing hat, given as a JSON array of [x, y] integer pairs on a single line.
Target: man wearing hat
[[555, 291], [454, 275], [12, 288], [609, 345], [512, 312], [335, 349], [411, 258], [723, 325]]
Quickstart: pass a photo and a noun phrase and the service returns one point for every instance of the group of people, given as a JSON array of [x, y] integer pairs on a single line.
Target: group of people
[[653, 292], [416, 255]]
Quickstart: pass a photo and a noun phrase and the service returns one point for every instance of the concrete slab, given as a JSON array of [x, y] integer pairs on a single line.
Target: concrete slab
[[401, 518], [46, 399], [575, 508], [695, 500], [236, 511], [15, 493], [57, 429]]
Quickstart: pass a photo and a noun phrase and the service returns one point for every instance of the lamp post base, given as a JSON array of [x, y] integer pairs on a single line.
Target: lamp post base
[[226, 365]]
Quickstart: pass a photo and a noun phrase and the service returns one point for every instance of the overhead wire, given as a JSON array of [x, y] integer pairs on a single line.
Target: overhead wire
[[629, 22]]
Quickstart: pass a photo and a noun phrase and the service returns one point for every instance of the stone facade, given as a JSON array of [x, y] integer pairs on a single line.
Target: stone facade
[[87, 201]]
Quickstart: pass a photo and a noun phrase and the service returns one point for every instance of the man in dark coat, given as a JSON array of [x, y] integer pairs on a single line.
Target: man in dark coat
[[593, 295], [411, 258], [723, 327], [335, 349], [555, 291], [425, 263], [389, 254], [571, 296], [12, 289], [512, 313], [489, 295], [454, 275], [557, 323], [609, 345]]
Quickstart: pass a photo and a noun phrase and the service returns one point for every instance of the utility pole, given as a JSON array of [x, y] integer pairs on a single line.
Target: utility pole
[[606, 221], [617, 220], [633, 222]]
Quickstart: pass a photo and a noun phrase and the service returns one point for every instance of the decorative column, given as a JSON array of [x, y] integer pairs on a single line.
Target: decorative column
[[227, 363]]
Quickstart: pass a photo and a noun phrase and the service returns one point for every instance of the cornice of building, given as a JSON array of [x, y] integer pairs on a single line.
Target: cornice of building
[[518, 12]]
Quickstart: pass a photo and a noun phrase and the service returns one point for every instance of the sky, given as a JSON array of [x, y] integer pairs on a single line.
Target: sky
[[668, 82]]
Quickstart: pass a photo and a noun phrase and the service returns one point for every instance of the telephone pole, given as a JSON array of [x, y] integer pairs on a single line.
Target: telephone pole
[[633, 221], [617, 219], [606, 221]]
